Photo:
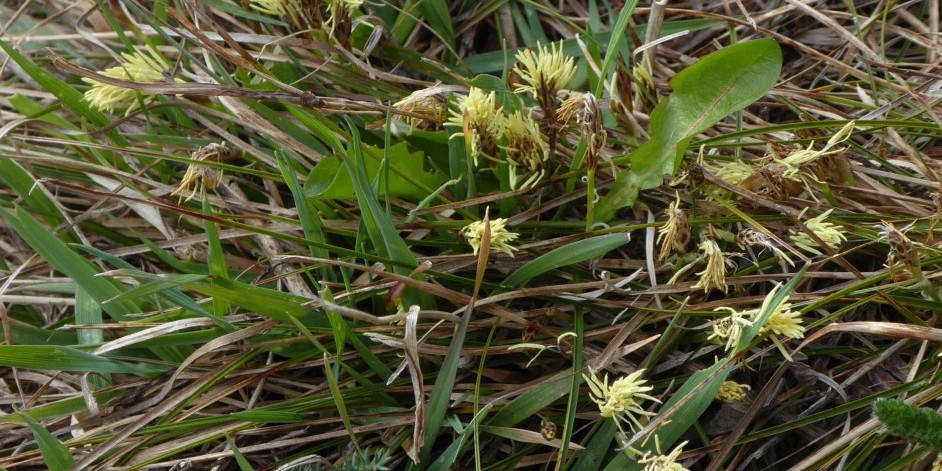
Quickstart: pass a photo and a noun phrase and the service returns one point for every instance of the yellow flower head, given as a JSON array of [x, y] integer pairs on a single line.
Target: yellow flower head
[[830, 234], [276, 7], [714, 275], [138, 66], [500, 236], [621, 400], [674, 235], [658, 462], [784, 321], [526, 151], [545, 71], [732, 391], [735, 172], [481, 121]]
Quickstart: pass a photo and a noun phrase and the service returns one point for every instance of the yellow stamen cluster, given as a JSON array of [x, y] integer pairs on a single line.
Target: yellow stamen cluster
[[830, 234], [276, 7], [481, 121], [526, 151], [544, 72], [714, 275], [500, 236], [732, 391], [621, 400], [735, 172], [784, 322], [658, 462], [138, 66]]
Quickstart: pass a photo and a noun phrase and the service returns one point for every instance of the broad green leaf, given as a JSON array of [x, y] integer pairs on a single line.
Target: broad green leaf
[[575, 252], [720, 83], [55, 453], [488, 83], [407, 179], [59, 358]]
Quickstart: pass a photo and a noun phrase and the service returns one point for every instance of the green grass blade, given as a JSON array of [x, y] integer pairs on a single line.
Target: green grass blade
[[616, 38], [59, 358], [566, 255], [55, 453]]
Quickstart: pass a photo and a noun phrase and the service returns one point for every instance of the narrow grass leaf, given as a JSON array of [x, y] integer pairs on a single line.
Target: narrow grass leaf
[[382, 232], [59, 358], [615, 39], [526, 405], [566, 255], [243, 463], [65, 260], [55, 453]]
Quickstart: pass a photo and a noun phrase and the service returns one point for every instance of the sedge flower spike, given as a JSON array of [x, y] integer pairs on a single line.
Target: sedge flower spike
[[732, 391], [500, 236], [829, 233], [526, 151], [481, 122], [544, 72], [275, 7], [658, 462], [622, 400], [714, 275], [138, 66], [785, 322], [735, 172]]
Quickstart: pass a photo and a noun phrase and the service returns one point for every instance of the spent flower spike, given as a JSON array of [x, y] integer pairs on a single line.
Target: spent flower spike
[[425, 103], [621, 400], [674, 235], [500, 236], [138, 66], [728, 330]]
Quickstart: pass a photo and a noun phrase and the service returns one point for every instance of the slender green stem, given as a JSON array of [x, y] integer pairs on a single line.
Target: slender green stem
[[590, 200]]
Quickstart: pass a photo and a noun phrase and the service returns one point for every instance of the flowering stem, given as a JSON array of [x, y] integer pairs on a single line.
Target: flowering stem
[[590, 200]]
